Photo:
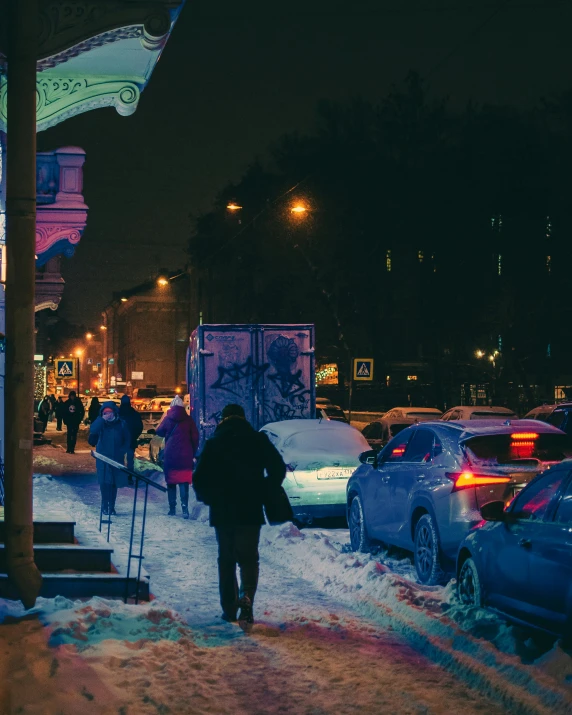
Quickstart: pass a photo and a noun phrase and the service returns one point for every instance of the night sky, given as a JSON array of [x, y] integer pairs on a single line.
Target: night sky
[[235, 76]]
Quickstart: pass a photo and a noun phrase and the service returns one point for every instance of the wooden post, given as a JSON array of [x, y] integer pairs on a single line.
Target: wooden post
[[20, 284]]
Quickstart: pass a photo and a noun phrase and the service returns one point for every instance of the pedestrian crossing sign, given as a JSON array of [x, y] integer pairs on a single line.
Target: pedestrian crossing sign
[[66, 368], [363, 369]]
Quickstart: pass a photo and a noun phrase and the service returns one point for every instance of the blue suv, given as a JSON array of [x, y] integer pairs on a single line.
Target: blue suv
[[423, 492]]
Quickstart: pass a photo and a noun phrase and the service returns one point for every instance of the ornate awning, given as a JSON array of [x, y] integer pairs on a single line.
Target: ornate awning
[[96, 54]]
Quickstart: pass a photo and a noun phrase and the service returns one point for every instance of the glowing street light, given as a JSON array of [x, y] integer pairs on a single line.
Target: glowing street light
[[162, 281], [479, 354], [233, 207], [492, 358], [298, 209], [124, 300], [89, 336], [103, 327], [79, 352]]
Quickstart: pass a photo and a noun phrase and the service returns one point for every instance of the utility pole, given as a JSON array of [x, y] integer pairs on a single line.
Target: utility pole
[[22, 34]]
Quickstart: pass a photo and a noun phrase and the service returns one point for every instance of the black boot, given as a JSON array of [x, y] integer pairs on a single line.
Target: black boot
[[185, 512], [245, 615], [172, 511]]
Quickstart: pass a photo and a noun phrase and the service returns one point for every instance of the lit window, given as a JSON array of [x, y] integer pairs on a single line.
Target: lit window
[[420, 256], [388, 260], [549, 263], [412, 378], [499, 265]]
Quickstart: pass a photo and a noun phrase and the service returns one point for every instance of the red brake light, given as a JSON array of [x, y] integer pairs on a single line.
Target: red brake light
[[524, 435], [398, 451], [466, 480]]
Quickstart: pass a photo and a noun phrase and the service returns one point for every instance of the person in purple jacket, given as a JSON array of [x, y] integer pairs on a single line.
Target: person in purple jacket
[[181, 441]]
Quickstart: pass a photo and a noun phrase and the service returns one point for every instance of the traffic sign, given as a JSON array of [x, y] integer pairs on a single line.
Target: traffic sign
[[90, 361], [363, 369], [66, 368]]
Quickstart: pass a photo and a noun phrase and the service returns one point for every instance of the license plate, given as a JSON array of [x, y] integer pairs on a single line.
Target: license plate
[[335, 473]]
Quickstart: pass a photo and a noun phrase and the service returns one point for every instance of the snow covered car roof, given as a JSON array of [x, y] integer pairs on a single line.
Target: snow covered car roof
[[473, 428], [286, 428]]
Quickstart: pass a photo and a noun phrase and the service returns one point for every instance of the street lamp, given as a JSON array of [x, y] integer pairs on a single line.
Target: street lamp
[[232, 206], [124, 299], [299, 210], [479, 354], [89, 336], [162, 281], [103, 327]]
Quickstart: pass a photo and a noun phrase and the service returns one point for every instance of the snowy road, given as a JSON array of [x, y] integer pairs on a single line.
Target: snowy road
[[336, 632]]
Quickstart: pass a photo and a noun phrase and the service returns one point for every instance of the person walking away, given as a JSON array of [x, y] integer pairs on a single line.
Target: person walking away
[[181, 441], [73, 412], [59, 413], [53, 403], [134, 423], [229, 478], [110, 437], [44, 409], [94, 410]]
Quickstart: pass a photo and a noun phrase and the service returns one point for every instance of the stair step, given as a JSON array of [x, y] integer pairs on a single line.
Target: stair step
[[67, 557], [81, 585], [47, 531]]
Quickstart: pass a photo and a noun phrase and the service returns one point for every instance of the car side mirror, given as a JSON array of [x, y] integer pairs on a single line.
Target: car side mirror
[[369, 457], [493, 511], [151, 431]]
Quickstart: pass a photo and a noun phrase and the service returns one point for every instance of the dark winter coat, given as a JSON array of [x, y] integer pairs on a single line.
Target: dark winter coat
[[132, 419], [60, 409], [112, 440], [73, 412], [94, 409], [230, 473], [44, 409], [181, 442]]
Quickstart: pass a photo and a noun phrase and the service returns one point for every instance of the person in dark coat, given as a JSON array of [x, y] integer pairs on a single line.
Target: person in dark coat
[[44, 410], [73, 412], [94, 409], [134, 423], [229, 478], [110, 436], [181, 442], [59, 413], [53, 403]]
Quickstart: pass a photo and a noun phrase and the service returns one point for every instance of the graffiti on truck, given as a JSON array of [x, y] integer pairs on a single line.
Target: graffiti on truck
[[237, 378], [283, 355]]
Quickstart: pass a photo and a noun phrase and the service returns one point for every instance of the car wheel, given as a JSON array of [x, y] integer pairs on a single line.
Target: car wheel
[[426, 555], [359, 539], [469, 585]]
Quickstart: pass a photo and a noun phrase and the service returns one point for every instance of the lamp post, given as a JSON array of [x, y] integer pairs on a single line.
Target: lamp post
[[22, 37]]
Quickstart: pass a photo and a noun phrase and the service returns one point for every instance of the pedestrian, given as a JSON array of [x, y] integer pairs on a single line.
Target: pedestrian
[[229, 478], [44, 409], [134, 423], [94, 410], [181, 442], [110, 437], [72, 412], [59, 413], [53, 403]]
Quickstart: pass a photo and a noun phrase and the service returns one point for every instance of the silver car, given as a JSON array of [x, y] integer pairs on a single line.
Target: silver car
[[424, 490]]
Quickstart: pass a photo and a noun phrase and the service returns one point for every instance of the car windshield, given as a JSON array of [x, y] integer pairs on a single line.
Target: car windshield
[[520, 449], [338, 441], [335, 413], [145, 393], [396, 428], [492, 415]]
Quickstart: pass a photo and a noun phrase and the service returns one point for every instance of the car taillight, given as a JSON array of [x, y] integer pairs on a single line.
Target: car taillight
[[466, 480]]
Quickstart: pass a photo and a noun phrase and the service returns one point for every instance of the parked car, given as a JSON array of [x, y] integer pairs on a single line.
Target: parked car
[[518, 560], [320, 457], [142, 395], [379, 433], [484, 412], [542, 413], [423, 491], [558, 415], [158, 404], [414, 414], [331, 412], [321, 401]]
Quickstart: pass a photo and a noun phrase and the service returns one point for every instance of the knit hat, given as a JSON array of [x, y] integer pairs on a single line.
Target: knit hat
[[232, 411], [177, 402]]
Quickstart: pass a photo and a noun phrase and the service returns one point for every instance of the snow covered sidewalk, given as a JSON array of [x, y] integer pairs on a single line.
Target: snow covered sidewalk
[[336, 632]]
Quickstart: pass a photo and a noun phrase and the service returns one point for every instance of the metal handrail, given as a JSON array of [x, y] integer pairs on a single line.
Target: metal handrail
[[148, 483]]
